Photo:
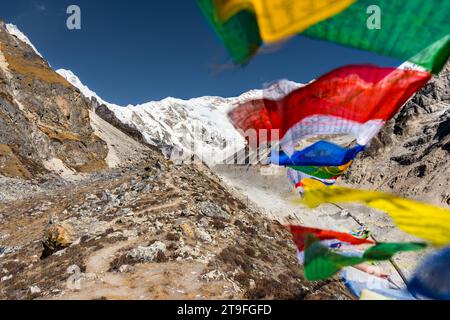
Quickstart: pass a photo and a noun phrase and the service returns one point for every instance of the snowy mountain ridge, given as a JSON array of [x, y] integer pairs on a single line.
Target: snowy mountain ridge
[[13, 30], [181, 128], [197, 126]]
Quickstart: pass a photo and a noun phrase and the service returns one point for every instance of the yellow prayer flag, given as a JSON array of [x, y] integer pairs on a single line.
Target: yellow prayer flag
[[422, 220], [280, 19], [312, 183]]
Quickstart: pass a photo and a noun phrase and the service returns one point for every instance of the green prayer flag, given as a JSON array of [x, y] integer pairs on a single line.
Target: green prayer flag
[[414, 30], [321, 172], [321, 263], [240, 34]]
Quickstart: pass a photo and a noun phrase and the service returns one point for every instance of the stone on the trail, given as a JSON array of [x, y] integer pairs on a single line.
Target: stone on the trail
[[7, 250], [213, 275], [186, 227], [212, 210], [57, 237], [132, 233], [186, 213], [159, 225], [110, 198], [91, 197], [184, 252], [61, 235], [148, 254], [203, 235], [35, 290], [125, 268], [252, 284], [124, 212], [6, 278]]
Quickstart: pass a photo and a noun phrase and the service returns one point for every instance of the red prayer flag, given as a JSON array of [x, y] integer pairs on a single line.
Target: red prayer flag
[[300, 234], [355, 99]]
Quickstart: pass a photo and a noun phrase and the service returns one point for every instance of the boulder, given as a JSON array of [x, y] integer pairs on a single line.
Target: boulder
[[212, 210], [57, 237], [148, 254]]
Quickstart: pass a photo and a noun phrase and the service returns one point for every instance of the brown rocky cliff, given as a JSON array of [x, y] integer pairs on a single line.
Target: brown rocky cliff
[[44, 120]]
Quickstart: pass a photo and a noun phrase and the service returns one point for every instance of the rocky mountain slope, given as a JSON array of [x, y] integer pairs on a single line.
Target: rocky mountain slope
[[44, 120], [411, 156], [125, 223]]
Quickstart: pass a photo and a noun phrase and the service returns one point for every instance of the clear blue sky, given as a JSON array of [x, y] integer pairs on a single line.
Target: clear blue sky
[[135, 51]]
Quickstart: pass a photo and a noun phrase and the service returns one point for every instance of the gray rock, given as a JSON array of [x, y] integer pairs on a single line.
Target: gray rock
[[35, 290], [125, 268], [184, 252], [213, 275], [203, 235], [148, 254], [6, 278], [212, 210]]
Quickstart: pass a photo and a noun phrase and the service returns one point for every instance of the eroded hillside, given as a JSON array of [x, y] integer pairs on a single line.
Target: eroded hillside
[[44, 120]]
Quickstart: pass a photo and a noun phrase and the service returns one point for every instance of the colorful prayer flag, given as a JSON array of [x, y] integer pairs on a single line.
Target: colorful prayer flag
[[413, 30], [324, 173], [239, 34], [322, 263], [356, 100], [300, 234], [419, 219], [321, 153], [358, 281], [320, 259], [278, 19], [300, 180]]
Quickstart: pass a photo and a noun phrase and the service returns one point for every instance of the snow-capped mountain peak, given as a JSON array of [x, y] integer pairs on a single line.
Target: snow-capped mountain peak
[[76, 82], [197, 126], [12, 29]]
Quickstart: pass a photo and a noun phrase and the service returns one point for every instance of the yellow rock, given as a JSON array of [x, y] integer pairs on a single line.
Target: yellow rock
[[57, 237], [188, 229]]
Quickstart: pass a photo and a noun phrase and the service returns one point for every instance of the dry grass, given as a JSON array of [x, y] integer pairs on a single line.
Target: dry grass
[[92, 166], [10, 165], [55, 134], [32, 70]]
